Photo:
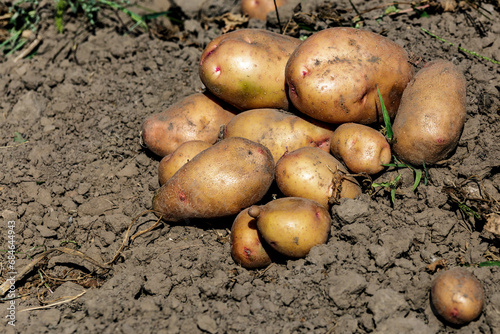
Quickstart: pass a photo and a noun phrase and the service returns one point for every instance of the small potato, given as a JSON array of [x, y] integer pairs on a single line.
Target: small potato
[[246, 68], [314, 174], [278, 131], [171, 163], [196, 117], [258, 9], [292, 225], [333, 75], [457, 296], [248, 248], [363, 149], [220, 181], [432, 114]]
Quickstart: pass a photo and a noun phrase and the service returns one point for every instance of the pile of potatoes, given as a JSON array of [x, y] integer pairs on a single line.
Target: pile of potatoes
[[304, 116]]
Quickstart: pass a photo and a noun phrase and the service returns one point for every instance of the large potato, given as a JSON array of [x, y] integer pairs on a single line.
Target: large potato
[[248, 248], [258, 9], [432, 114], [220, 181], [246, 68], [292, 225], [315, 174], [196, 117], [171, 163], [333, 75], [363, 149], [278, 131]]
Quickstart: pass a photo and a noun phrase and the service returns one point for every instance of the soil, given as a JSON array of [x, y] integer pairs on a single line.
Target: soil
[[82, 176]]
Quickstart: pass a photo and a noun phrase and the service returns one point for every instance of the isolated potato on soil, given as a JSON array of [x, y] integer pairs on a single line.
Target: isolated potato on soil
[[171, 163], [195, 117], [333, 75], [432, 114], [315, 174], [292, 225], [278, 131], [258, 9], [361, 148], [220, 181], [246, 68], [248, 248]]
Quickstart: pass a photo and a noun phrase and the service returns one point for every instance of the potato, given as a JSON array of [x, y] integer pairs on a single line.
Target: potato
[[292, 225], [258, 9], [196, 117], [457, 296], [363, 149], [314, 174], [248, 248], [172, 162], [333, 75], [220, 181], [278, 131], [432, 114], [246, 68]]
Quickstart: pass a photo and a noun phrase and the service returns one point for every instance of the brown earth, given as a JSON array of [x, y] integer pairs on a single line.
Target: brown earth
[[82, 176]]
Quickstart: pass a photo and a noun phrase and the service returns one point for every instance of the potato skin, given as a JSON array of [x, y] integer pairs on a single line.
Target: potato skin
[[195, 117], [363, 149], [292, 225], [432, 114], [220, 181], [246, 68], [258, 9], [247, 245], [171, 163], [457, 296], [278, 131], [333, 75], [312, 173]]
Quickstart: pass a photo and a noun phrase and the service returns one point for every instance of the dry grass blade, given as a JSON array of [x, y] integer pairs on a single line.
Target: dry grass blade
[[70, 299]]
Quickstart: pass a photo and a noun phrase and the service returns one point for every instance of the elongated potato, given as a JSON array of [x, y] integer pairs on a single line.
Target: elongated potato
[[314, 174], [363, 149], [246, 68], [220, 181], [278, 131], [432, 114], [196, 117], [171, 163], [333, 75]]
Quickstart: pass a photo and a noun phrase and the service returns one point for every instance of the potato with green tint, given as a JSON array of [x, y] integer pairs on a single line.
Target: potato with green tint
[[292, 225], [315, 174], [195, 117], [248, 248], [246, 68], [258, 9], [220, 181], [361, 148], [171, 163], [279, 132], [432, 114], [333, 75]]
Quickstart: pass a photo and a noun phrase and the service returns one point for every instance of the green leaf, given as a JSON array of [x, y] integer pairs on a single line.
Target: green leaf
[[418, 177], [393, 195], [391, 9], [18, 138], [489, 264], [387, 119]]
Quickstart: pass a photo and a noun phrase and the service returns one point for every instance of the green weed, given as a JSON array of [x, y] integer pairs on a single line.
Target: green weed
[[391, 185]]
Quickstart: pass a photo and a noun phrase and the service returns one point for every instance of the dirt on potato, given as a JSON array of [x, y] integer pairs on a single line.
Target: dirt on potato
[[73, 176]]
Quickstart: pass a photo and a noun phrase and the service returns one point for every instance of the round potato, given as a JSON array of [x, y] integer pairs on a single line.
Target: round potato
[[248, 248], [196, 117], [279, 132], [258, 9], [220, 181], [363, 149], [333, 75], [171, 163], [292, 225], [246, 68], [315, 174], [432, 114]]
